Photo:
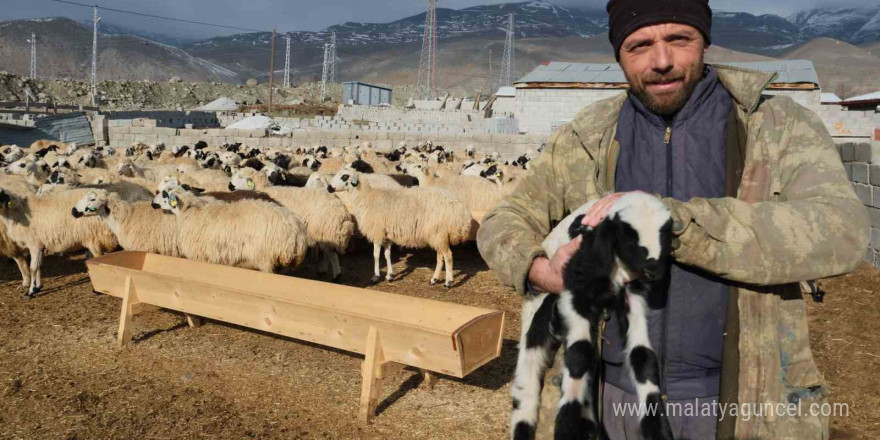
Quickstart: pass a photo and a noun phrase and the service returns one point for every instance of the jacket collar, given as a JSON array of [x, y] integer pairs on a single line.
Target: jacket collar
[[596, 124]]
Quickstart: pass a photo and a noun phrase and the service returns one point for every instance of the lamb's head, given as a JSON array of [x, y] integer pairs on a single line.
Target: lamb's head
[[311, 163], [637, 233], [211, 160], [179, 150], [344, 180], [493, 173], [19, 167], [12, 153], [274, 173], [229, 158], [61, 177], [317, 180], [470, 151], [93, 203], [88, 160], [242, 181], [169, 200], [126, 169]]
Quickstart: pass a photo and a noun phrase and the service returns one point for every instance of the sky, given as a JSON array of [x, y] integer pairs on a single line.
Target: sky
[[311, 15]]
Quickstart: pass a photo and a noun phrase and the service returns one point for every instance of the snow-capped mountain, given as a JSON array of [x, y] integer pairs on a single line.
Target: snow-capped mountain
[[853, 25]]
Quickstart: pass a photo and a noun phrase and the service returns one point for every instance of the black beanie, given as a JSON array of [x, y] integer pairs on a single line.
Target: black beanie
[[627, 16]]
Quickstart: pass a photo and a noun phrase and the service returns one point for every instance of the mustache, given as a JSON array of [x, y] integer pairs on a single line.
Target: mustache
[[663, 78]]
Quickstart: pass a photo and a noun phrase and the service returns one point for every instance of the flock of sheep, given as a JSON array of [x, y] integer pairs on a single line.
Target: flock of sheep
[[240, 206]]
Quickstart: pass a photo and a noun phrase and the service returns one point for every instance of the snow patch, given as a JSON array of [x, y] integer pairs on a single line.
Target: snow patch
[[221, 104]]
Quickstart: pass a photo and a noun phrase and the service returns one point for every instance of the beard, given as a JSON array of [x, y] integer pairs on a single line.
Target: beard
[[666, 103]]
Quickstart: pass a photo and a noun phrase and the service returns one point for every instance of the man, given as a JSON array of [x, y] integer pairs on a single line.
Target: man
[[760, 201]]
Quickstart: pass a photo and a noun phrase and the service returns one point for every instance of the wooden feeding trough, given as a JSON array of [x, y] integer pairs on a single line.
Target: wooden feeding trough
[[392, 331]]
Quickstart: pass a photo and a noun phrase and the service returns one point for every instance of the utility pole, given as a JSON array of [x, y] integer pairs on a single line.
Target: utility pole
[[508, 59], [271, 71], [325, 72], [332, 75], [491, 79], [425, 83], [287, 65], [95, 20], [33, 42]]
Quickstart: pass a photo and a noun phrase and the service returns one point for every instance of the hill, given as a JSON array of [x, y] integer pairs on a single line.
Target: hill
[[64, 49], [843, 69]]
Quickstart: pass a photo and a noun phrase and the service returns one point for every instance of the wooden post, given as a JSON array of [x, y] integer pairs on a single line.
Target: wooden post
[[371, 376], [373, 371], [271, 71], [193, 320], [430, 379], [129, 299]]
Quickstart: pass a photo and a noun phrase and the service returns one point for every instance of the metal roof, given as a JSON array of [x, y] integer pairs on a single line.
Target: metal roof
[[506, 91], [869, 97], [789, 72], [829, 98]]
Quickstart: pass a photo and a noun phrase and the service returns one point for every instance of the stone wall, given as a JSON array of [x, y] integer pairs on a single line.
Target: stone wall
[[862, 163]]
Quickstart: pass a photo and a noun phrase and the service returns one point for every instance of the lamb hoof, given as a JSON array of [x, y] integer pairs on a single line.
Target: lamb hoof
[[26, 296], [447, 285], [433, 281], [375, 279], [389, 278], [336, 279]]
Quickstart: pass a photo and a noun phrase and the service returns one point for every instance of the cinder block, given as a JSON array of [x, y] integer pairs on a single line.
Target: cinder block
[[863, 153], [876, 197], [869, 256], [874, 213], [864, 193], [847, 152], [150, 123], [874, 174], [875, 238], [860, 172], [848, 166]]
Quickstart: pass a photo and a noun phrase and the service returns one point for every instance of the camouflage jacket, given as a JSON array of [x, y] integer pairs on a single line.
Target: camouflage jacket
[[791, 215]]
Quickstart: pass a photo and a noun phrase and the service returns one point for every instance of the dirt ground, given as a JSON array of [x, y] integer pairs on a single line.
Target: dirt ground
[[61, 376]]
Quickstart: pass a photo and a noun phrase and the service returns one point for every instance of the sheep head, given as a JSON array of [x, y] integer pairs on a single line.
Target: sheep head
[[241, 181], [93, 203]]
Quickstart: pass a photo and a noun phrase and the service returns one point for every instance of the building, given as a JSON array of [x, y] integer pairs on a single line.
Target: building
[[358, 93], [553, 93]]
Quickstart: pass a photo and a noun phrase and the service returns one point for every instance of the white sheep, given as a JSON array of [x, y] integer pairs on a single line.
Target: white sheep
[[479, 194], [328, 224], [408, 217], [42, 225], [252, 234], [137, 226]]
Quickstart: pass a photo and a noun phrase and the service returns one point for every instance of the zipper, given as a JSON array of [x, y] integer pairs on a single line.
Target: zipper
[[664, 368]]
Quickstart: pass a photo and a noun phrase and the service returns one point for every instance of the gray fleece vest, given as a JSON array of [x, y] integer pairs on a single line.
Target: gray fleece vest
[[682, 157]]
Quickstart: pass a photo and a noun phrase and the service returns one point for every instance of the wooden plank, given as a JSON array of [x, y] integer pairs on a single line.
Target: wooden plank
[[371, 376], [430, 379], [417, 332], [123, 336]]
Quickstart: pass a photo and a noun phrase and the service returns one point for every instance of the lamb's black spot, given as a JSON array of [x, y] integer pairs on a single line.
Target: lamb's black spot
[[579, 358], [644, 364]]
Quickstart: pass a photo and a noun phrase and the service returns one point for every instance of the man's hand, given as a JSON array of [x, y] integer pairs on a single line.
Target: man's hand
[[545, 275]]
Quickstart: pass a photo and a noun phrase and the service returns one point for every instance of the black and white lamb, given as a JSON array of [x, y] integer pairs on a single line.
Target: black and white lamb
[[618, 266]]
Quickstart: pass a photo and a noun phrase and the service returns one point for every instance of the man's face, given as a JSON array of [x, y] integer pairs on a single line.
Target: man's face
[[663, 63]]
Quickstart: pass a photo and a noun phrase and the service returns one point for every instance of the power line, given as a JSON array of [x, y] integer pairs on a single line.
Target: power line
[[141, 14]]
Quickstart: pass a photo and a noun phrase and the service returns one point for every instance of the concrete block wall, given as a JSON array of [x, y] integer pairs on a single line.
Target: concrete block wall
[[172, 119], [539, 110], [862, 163], [121, 135]]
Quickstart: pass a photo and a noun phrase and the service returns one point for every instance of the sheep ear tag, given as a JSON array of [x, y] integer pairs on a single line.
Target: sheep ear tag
[[250, 183], [173, 200]]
